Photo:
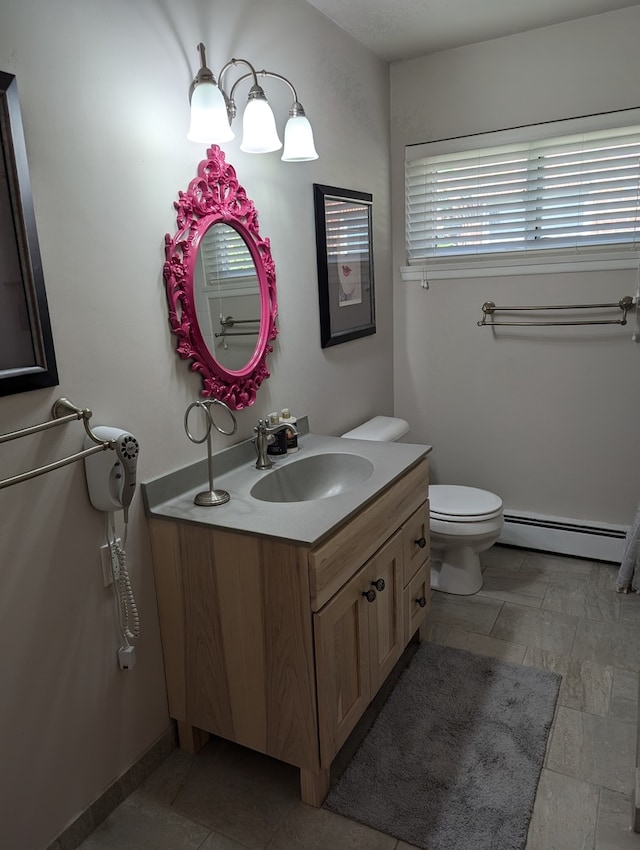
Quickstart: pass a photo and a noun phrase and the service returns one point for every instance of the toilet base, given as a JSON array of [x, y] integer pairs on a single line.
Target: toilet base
[[458, 571]]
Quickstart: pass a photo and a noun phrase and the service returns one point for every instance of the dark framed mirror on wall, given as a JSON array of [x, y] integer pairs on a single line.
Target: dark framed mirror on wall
[[27, 355], [344, 243]]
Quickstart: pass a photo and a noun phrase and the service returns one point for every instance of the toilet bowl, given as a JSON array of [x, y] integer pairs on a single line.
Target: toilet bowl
[[463, 521]]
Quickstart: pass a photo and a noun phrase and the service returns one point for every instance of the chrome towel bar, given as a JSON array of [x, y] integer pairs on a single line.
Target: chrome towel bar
[[624, 304], [229, 322], [62, 411]]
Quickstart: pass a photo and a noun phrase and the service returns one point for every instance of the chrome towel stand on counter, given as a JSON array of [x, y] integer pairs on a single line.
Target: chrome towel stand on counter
[[624, 304], [209, 498], [62, 411]]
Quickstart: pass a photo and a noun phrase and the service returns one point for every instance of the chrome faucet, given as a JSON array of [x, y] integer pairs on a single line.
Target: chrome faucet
[[265, 437]]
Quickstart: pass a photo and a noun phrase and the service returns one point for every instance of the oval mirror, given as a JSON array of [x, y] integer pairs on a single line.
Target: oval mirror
[[220, 280], [227, 296]]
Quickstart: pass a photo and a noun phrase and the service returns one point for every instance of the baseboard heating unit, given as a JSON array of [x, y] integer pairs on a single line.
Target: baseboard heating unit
[[579, 538]]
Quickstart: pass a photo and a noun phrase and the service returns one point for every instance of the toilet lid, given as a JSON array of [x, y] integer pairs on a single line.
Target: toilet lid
[[456, 503]]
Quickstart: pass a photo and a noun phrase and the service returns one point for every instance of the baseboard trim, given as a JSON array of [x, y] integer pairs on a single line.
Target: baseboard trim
[[581, 539], [84, 824]]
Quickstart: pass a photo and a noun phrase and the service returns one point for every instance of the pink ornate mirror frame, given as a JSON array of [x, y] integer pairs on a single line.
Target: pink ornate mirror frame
[[214, 197]]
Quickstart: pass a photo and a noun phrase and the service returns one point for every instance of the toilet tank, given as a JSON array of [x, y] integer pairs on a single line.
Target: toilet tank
[[382, 429]]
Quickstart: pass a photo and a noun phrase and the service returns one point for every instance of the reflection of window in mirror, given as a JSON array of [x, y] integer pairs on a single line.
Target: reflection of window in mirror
[[348, 247], [227, 296], [16, 347]]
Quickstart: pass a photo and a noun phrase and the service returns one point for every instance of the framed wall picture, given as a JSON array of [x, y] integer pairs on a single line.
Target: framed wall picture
[[345, 264], [27, 357]]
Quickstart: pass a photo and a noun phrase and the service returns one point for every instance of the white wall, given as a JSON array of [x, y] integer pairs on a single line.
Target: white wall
[[103, 90], [547, 419]]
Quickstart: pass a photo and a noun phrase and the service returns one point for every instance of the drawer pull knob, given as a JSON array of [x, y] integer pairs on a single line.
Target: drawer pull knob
[[421, 601], [369, 595], [378, 584], [421, 541]]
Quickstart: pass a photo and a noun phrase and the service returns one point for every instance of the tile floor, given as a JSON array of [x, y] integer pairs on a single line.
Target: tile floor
[[548, 611]]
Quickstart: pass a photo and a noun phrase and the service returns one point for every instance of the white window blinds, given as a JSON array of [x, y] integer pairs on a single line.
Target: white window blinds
[[566, 194]]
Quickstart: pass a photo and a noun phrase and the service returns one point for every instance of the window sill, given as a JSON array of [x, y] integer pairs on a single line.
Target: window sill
[[534, 265]]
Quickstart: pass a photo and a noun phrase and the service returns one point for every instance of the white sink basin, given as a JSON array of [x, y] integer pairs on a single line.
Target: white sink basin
[[314, 477]]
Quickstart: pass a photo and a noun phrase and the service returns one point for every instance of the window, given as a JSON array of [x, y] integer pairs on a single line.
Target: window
[[531, 192]]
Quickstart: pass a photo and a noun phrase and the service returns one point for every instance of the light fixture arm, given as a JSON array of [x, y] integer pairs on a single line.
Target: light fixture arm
[[255, 91], [296, 107], [205, 74]]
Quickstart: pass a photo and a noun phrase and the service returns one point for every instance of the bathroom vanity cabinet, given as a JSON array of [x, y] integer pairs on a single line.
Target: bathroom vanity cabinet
[[281, 646]]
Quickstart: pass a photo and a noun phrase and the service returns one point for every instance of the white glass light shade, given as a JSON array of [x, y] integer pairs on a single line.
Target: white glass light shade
[[298, 140], [259, 134], [209, 120]]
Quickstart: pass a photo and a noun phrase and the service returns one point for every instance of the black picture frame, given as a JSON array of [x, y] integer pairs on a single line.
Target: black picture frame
[[344, 244], [27, 355]]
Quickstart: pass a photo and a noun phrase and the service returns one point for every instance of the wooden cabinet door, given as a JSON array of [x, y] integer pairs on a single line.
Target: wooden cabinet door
[[386, 624], [342, 664]]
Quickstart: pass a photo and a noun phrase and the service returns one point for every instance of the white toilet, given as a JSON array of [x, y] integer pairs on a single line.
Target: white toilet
[[464, 521]]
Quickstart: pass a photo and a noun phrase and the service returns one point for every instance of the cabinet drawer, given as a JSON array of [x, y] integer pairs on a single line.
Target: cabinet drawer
[[418, 591], [415, 537], [332, 563]]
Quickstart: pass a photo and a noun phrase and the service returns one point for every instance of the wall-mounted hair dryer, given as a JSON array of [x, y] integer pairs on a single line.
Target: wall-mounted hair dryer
[[111, 478]]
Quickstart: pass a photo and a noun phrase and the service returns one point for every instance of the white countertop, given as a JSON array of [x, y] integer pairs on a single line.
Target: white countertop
[[171, 496]]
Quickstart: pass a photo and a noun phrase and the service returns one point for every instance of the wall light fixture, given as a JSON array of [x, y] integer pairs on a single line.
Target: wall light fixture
[[213, 109]]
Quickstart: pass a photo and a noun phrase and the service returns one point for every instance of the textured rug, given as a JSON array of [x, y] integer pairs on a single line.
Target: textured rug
[[452, 761]]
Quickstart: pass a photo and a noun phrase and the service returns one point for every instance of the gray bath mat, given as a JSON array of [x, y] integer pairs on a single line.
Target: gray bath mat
[[452, 761]]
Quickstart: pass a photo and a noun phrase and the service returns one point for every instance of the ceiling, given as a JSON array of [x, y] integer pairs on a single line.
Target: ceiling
[[404, 29]]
